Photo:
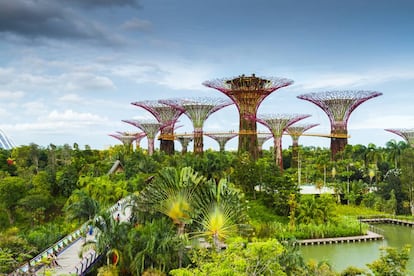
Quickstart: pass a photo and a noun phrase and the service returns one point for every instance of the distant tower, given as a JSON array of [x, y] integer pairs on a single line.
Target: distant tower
[[166, 116], [338, 105], [150, 128], [406, 133], [5, 142], [184, 141], [261, 139], [277, 124], [222, 138], [295, 131], [198, 110], [127, 139], [247, 92]]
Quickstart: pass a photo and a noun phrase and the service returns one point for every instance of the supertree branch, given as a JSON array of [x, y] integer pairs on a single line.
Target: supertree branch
[[339, 105], [150, 128], [198, 110], [406, 133], [295, 131], [167, 116], [277, 124], [247, 92], [222, 138]]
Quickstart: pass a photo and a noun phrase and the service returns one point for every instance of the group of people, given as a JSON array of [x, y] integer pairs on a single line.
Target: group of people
[[52, 258]]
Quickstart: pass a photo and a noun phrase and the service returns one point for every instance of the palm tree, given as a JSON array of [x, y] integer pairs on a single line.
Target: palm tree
[[81, 206], [395, 150]]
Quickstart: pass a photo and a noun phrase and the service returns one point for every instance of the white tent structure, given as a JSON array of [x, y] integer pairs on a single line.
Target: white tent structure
[[5, 142]]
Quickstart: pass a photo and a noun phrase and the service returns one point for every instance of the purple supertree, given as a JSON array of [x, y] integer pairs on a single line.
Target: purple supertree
[[166, 116], [127, 139], [198, 110], [277, 124], [184, 141], [295, 131], [339, 105], [150, 128], [406, 133], [222, 138], [247, 92]]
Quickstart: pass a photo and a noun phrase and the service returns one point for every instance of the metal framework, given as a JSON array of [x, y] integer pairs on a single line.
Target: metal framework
[[184, 141], [127, 139], [6, 142], [198, 110], [222, 138], [406, 133], [339, 105], [295, 131], [167, 116], [248, 92], [150, 128], [277, 124]]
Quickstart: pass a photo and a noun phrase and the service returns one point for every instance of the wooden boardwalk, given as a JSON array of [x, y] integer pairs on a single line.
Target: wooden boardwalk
[[370, 236], [388, 220]]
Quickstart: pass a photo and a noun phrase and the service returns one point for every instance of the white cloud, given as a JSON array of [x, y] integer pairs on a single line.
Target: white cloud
[[72, 98], [136, 24], [11, 95]]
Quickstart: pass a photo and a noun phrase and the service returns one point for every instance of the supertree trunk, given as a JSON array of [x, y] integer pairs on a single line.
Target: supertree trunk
[[277, 143], [198, 141], [339, 140], [248, 136]]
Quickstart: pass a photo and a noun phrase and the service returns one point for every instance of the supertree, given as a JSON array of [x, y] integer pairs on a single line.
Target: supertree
[[277, 124], [139, 137], [261, 139], [295, 131], [166, 116], [222, 138], [198, 110], [339, 105], [406, 133], [184, 141], [247, 92], [150, 128], [128, 138]]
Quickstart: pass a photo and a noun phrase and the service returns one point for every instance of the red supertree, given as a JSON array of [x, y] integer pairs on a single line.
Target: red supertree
[[247, 92], [166, 116], [295, 131], [406, 133], [198, 110], [339, 105], [222, 138], [184, 141], [128, 138], [150, 128], [277, 124]]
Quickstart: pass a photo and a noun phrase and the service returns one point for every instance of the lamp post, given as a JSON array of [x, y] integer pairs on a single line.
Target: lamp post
[[347, 184]]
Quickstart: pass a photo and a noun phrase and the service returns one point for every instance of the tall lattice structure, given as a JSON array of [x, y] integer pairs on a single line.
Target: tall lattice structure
[[198, 110], [166, 116], [261, 139], [248, 92], [277, 124], [406, 133], [295, 131], [222, 138], [127, 139], [339, 105], [184, 141], [150, 128]]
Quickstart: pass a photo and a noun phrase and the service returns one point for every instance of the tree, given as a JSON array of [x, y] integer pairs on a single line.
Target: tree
[[81, 206], [391, 262], [12, 189]]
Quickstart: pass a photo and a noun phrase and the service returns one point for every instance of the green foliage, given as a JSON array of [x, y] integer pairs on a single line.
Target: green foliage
[[12, 189], [392, 262]]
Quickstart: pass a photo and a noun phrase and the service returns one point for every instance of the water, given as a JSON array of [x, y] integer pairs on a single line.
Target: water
[[340, 256]]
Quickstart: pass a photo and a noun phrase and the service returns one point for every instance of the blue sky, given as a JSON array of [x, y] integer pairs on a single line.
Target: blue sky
[[69, 69]]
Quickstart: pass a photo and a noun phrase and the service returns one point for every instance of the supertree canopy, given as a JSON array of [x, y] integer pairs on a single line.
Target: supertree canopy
[[128, 138], [247, 92], [406, 133], [222, 138], [184, 141], [150, 128], [277, 124], [295, 131], [339, 105], [198, 110], [166, 116]]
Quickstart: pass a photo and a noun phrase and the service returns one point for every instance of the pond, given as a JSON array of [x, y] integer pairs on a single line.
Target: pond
[[340, 256]]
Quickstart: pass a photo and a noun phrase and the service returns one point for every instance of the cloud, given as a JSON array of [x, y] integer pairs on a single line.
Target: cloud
[[384, 121], [11, 95], [71, 98], [136, 24], [48, 19], [104, 3]]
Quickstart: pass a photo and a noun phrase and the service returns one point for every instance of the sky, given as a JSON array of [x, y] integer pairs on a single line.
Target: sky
[[70, 69]]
